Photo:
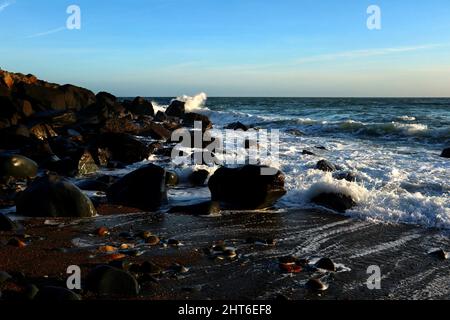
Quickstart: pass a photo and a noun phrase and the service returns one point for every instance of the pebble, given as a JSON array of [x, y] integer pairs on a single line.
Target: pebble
[[150, 268], [152, 240], [117, 256], [145, 234], [316, 285], [179, 268], [326, 264], [290, 267], [102, 232], [173, 242], [230, 253], [109, 281], [17, 243], [107, 249]]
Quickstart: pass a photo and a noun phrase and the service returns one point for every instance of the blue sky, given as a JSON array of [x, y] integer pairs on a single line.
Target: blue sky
[[232, 47]]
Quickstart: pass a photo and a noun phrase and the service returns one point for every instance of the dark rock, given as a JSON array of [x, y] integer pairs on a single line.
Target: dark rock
[[237, 126], [156, 131], [326, 264], [65, 167], [150, 268], [348, 176], [144, 188], [338, 202], [440, 254], [171, 178], [17, 166], [6, 224], [189, 120], [122, 147], [53, 196], [326, 166], [109, 281], [140, 106], [198, 178], [86, 164], [315, 284], [308, 153], [98, 184], [161, 116], [30, 291], [4, 277], [446, 153], [246, 187], [201, 209], [176, 109], [295, 132], [43, 131], [56, 294]]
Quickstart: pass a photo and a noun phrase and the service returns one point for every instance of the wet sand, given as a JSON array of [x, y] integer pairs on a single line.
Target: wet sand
[[401, 252]]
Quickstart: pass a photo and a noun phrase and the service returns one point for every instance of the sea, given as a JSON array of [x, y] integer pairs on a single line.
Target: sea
[[392, 147]]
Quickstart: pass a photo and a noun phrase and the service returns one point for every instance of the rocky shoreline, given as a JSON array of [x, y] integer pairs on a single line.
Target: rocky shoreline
[[56, 140]]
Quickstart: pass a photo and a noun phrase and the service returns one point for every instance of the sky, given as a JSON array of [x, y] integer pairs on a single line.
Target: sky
[[295, 48]]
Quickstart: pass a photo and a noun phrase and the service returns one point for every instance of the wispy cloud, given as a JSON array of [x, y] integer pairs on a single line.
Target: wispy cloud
[[363, 53], [46, 33], [5, 5]]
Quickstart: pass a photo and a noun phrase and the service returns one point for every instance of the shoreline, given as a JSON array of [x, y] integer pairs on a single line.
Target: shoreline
[[401, 251]]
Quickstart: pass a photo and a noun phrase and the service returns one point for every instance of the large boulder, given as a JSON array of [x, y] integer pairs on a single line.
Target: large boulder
[[446, 153], [109, 281], [53, 196], [335, 201], [122, 147], [246, 187], [176, 109], [142, 107], [17, 166], [144, 188], [56, 294], [189, 120]]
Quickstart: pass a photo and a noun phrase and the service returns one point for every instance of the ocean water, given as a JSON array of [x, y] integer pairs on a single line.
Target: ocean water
[[391, 145]]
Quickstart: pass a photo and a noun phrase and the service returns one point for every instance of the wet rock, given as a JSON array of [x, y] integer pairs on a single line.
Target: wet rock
[[56, 294], [446, 153], [348, 176], [109, 281], [291, 267], [295, 132], [17, 166], [150, 268], [145, 234], [171, 178], [30, 291], [86, 164], [6, 224], [4, 277], [176, 109], [201, 209], [144, 188], [335, 201], [14, 242], [326, 264], [102, 232], [122, 147], [173, 242], [140, 106], [237, 126], [53, 196], [440, 254], [189, 120], [161, 116], [315, 284], [152, 240], [43, 131], [92, 185], [178, 268], [326, 166], [156, 131], [308, 153], [247, 187], [198, 178]]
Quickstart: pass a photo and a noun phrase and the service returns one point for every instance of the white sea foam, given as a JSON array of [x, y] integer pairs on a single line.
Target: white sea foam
[[194, 103]]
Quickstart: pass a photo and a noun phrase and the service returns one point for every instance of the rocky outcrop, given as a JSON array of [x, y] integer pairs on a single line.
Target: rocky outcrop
[[246, 187], [144, 188], [176, 109], [326, 166], [446, 153], [237, 126], [140, 106], [53, 196]]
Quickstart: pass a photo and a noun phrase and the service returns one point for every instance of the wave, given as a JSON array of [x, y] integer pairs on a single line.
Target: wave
[[194, 103]]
